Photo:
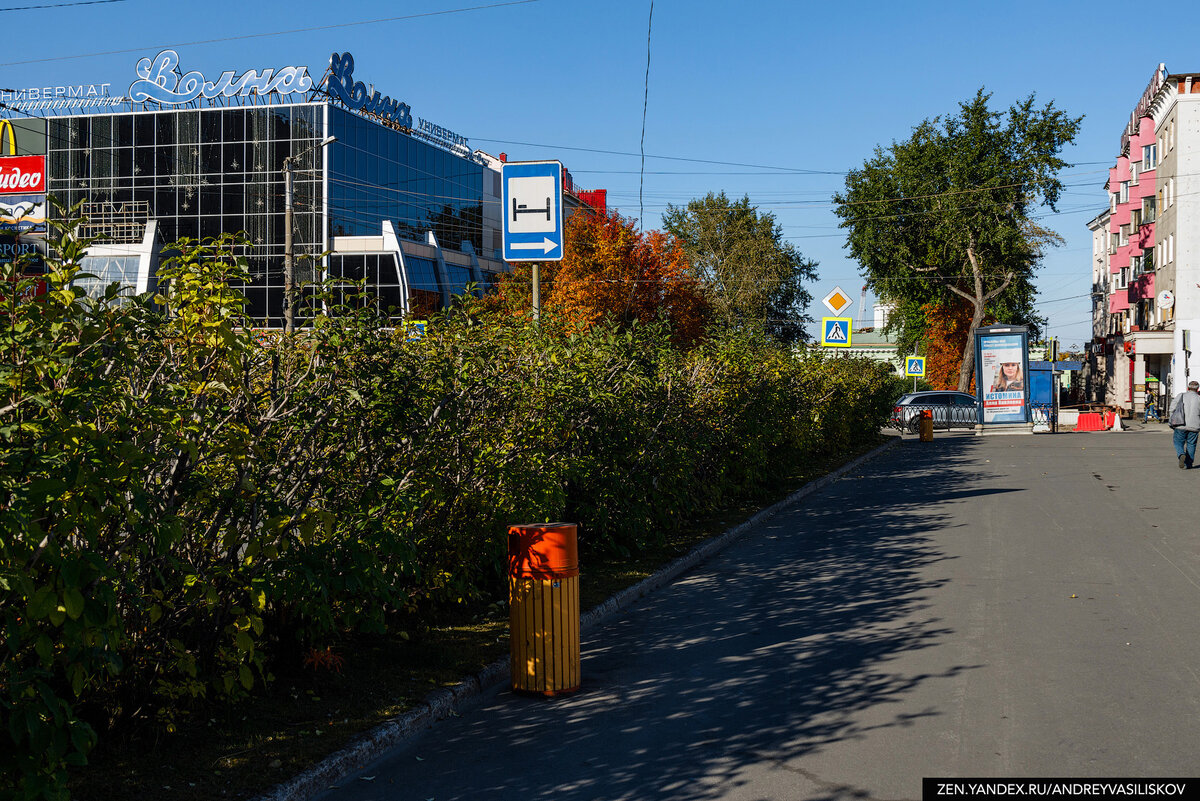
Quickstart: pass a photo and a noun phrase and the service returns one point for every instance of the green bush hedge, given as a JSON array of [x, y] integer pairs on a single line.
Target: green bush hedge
[[184, 500]]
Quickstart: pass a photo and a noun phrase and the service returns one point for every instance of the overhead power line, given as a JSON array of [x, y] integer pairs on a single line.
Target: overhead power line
[[63, 5], [1057, 300], [645, 105], [795, 170], [273, 33]]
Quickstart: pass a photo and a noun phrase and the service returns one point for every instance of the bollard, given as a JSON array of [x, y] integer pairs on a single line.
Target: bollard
[[926, 425], [543, 597]]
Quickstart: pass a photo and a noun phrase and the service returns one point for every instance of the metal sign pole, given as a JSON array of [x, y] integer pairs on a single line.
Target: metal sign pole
[[1055, 387], [537, 291], [289, 257]]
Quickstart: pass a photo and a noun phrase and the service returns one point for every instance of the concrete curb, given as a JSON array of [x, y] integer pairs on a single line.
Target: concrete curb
[[444, 703]]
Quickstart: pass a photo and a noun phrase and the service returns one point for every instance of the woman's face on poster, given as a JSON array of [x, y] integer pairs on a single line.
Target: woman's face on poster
[[1010, 370]]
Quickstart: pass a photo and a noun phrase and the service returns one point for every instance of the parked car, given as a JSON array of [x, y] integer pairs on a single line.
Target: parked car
[[950, 410]]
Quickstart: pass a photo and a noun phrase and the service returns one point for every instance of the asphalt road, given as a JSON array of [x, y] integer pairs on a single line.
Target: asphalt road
[[1005, 606]]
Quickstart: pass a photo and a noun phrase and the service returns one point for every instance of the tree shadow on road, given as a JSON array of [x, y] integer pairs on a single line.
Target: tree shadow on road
[[771, 651]]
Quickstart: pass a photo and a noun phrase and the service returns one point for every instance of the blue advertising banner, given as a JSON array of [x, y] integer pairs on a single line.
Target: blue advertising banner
[[14, 246], [23, 213], [1001, 374]]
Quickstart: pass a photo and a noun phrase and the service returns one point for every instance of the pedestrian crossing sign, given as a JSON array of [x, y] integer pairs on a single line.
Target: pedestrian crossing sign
[[414, 330], [835, 332], [914, 366]]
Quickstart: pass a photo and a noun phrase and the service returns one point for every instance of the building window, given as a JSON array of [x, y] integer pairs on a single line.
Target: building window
[[1149, 157], [106, 270], [460, 277], [367, 280], [1133, 173], [1139, 315], [1124, 240], [1143, 263], [1149, 209], [1124, 196], [1124, 280], [424, 289]]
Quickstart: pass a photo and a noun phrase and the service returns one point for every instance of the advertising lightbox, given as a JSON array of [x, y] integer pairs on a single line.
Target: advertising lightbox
[[1001, 374]]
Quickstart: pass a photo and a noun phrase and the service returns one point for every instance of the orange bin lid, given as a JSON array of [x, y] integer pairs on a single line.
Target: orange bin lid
[[543, 550]]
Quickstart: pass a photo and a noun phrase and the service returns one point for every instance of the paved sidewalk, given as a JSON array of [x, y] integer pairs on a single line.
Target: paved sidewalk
[[975, 606]]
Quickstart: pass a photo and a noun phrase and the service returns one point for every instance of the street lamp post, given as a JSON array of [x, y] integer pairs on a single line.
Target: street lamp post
[[289, 257]]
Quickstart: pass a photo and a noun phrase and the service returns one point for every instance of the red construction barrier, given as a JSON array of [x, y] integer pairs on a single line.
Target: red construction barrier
[[1096, 421]]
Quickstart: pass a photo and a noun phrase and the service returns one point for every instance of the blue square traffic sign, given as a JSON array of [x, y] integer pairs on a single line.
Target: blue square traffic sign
[[532, 210], [914, 366], [835, 332]]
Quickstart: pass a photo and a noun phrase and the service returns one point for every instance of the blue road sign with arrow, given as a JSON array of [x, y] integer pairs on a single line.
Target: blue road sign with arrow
[[532, 210]]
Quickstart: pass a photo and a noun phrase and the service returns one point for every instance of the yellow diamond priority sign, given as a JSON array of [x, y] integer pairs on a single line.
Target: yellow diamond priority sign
[[837, 301]]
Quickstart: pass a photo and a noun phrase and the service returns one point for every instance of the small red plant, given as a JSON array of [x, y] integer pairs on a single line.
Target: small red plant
[[324, 659]]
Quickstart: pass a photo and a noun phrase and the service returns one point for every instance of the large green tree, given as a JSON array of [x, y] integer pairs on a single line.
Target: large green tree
[[950, 212], [751, 276]]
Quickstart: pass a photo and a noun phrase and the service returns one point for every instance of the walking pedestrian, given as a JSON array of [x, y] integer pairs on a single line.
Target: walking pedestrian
[[1185, 420]]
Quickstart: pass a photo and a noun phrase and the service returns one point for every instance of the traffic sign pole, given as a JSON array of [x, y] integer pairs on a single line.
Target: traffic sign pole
[[537, 291]]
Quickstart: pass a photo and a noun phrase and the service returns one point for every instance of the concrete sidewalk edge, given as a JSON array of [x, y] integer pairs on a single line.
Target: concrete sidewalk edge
[[449, 701]]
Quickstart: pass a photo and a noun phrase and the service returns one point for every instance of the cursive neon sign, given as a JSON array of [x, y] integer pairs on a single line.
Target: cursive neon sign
[[160, 81], [355, 95]]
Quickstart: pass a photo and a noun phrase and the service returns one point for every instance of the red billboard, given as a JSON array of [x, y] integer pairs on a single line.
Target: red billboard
[[22, 175]]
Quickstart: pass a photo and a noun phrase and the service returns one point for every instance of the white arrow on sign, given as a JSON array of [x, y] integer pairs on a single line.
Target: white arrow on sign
[[546, 245]]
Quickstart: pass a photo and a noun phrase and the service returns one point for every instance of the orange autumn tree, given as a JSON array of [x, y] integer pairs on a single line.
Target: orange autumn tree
[[948, 328], [611, 270]]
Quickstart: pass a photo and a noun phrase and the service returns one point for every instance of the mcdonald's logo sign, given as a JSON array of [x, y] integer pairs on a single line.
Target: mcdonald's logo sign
[[6, 126]]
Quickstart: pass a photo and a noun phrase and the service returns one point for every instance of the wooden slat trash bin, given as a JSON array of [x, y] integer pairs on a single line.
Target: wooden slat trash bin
[[927, 425], [543, 597]]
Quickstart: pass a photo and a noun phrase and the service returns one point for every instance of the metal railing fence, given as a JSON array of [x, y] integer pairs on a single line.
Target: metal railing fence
[[945, 417]]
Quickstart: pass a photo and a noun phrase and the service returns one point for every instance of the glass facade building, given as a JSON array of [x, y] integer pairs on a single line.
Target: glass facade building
[[413, 220]]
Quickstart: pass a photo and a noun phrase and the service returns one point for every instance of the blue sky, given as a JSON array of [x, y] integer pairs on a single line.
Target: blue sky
[[803, 92]]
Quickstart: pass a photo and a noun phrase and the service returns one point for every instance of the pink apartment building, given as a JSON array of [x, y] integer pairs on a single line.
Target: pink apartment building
[[1146, 253]]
